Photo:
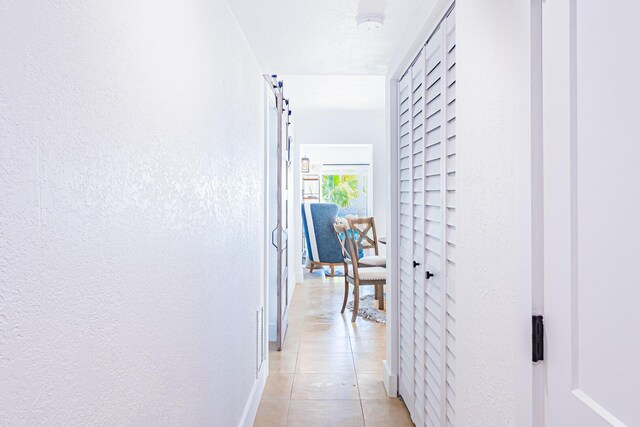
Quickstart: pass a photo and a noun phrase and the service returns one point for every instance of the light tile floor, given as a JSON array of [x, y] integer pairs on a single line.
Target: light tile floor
[[330, 370]]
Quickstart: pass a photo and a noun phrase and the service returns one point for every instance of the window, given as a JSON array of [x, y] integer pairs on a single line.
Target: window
[[348, 187]]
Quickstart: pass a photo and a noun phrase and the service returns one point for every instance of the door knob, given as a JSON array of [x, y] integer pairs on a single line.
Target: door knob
[[428, 275], [415, 264]]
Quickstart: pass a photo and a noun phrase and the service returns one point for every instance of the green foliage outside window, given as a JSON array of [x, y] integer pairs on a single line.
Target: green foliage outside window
[[339, 189]]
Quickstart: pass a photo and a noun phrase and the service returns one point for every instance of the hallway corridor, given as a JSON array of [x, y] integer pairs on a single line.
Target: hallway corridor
[[330, 370]]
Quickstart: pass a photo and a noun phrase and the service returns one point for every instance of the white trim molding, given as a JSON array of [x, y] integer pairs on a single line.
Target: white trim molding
[[389, 379], [393, 227], [251, 408]]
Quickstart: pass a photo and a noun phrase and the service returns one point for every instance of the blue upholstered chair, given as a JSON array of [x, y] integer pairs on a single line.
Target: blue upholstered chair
[[323, 246]]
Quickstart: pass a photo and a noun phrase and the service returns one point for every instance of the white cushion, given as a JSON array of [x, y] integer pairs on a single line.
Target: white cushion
[[373, 260], [369, 273]]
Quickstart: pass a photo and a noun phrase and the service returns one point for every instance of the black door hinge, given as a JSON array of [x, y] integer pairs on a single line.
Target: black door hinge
[[537, 338]]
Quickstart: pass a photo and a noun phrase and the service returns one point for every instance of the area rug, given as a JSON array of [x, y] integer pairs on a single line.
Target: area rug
[[368, 309]]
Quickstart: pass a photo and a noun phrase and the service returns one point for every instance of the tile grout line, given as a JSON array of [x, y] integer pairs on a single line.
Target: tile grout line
[[353, 360], [306, 304]]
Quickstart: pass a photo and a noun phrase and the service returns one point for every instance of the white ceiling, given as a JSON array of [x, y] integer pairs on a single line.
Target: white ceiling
[[321, 36], [313, 92]]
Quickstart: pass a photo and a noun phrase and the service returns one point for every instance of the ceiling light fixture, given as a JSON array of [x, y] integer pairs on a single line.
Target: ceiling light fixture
[[370, 21]]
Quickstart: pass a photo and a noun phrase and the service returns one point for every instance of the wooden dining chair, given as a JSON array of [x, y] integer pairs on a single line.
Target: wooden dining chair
[[366, 238], [359, 275]]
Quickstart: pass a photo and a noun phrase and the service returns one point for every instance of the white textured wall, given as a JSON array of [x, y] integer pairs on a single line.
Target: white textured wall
[[493, 116], [340, 126], [131, 168]]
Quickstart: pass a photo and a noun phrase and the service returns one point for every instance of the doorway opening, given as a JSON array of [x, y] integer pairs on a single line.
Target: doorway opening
[[337, 174], [339, 171]]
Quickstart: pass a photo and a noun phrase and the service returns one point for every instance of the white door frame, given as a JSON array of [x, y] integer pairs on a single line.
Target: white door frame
[[530, 201], [529, 411], [529, 287], [391, 363]]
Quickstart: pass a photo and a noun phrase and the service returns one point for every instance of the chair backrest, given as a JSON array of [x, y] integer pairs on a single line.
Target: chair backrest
[[351, 250], [364, 233], [317, 220], [341, 233]]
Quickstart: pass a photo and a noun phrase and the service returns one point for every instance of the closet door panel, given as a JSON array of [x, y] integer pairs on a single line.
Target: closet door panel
[[406, 187], [434, 221], [450, 249], [419, 182]]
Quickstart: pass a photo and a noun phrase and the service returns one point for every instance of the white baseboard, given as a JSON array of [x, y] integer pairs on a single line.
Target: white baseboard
[[390, 381], [251, 408]]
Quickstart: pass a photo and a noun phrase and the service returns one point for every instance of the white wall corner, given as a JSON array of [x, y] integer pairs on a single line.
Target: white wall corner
[[390, 380], [251, 408], [416, 35], [273, 331]]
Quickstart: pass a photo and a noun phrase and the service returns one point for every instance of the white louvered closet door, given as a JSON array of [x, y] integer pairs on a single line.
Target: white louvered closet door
[[427, 231], [418, 167], [449, 378], [434, 221], [405, 385]]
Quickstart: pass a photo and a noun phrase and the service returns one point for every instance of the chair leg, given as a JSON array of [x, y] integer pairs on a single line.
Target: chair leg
[[356, 301], [332, 270], [381, 294], [310, 267], [346, 295], [377, 292]]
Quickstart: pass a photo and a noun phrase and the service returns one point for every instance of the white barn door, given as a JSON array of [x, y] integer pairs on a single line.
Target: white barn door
[[427, 231], [591, 212]]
